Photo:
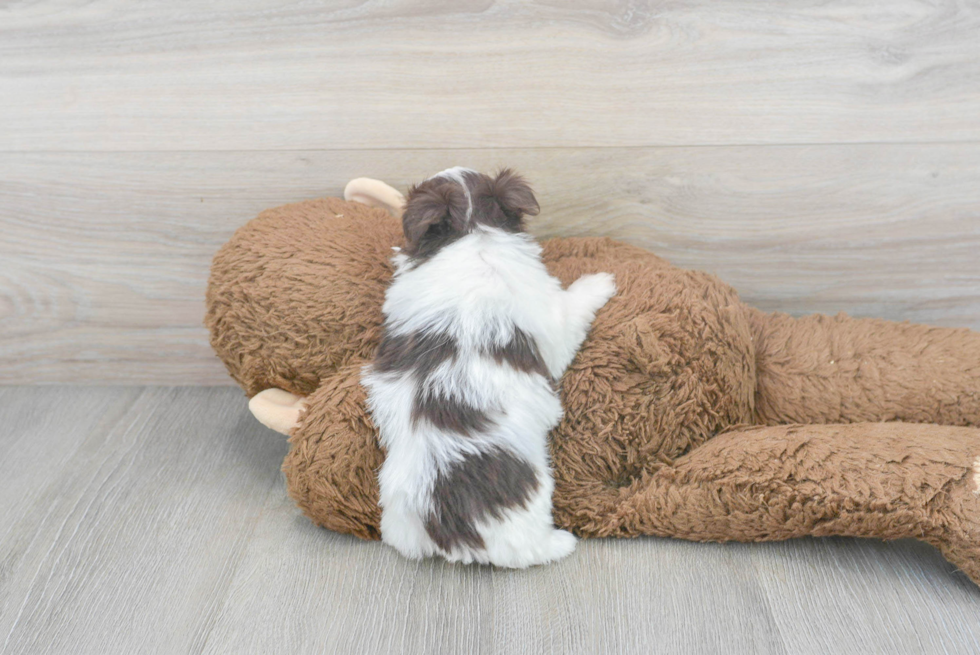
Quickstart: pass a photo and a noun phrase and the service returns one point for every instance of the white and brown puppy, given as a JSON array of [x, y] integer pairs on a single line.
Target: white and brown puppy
[[461, 389]]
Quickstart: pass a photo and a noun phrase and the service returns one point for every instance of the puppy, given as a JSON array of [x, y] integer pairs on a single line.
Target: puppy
[[462, 388]]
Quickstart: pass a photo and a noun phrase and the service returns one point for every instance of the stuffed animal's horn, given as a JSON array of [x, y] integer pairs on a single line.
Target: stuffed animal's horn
[[376, 194]]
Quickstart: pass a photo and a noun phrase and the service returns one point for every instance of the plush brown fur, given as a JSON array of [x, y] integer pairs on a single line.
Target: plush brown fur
[[688, 413]]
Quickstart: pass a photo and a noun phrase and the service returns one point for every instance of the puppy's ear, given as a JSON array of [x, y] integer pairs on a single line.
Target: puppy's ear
[[435, 209], [514, 195]]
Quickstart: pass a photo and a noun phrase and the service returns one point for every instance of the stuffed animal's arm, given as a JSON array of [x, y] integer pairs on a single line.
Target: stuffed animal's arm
[[376, 194]]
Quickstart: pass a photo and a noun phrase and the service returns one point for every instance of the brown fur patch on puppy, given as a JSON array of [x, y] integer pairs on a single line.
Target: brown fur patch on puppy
[[422, 351], [449, 414], [522, 353], [480, 486]]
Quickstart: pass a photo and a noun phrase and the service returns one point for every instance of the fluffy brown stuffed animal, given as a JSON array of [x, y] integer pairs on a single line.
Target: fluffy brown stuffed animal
[[687, 413]]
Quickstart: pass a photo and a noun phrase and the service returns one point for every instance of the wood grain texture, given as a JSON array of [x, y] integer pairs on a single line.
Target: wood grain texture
[[128, 543], [155, 520], [104, 257], [255, 74]]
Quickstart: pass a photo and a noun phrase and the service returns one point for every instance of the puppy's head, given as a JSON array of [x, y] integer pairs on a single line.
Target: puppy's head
[[456, 201]]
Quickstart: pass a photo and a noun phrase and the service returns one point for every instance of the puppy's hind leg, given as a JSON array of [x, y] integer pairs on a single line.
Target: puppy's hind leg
[[528, 537], [403, 529]]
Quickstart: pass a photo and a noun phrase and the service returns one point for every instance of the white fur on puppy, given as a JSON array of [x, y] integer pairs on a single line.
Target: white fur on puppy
[[461, 389]]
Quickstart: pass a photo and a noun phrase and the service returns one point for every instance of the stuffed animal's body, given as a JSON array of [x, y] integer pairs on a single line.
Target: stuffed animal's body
[[687, 413], [461, 390]]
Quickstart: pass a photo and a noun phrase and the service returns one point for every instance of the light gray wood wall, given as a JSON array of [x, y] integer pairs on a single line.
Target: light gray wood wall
[[820, 156]]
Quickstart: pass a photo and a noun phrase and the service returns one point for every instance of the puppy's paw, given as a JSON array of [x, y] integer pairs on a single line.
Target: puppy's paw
[[595, 290], [561, 544]]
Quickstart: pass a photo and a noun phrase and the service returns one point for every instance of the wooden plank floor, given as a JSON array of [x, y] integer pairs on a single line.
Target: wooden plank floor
[[155, 520]]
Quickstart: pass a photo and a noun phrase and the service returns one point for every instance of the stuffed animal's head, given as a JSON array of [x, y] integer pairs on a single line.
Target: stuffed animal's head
[[297, 292]]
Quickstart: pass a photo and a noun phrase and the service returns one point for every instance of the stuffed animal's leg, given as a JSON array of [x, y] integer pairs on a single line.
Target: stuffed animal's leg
[[838, 369], [883, 480]]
